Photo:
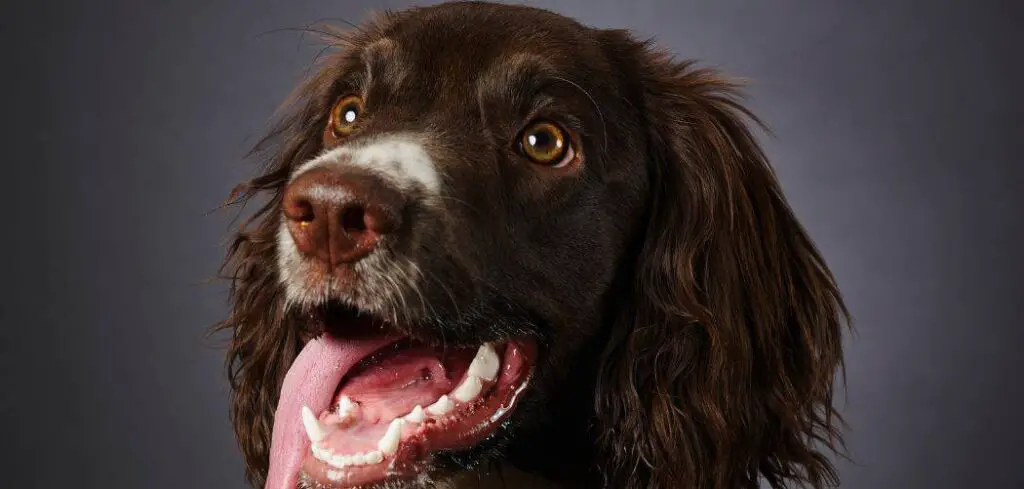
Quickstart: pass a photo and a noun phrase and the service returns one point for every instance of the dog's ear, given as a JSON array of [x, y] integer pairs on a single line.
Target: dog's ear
[[721, 366], [265, 338]]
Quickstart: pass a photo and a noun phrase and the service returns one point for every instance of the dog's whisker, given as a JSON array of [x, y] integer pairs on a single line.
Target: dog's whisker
[[597, 108], [415, 282], [412, 284], [451, 295], [459, 201], [399, 297]]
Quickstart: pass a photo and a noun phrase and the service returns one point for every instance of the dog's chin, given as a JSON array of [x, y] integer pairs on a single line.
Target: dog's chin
[[368, 403]]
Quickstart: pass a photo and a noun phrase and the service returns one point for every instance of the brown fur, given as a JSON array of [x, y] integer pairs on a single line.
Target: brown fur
[[716, 340]]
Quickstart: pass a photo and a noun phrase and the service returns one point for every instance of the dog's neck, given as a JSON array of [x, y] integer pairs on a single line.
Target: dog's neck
[[502, 476]]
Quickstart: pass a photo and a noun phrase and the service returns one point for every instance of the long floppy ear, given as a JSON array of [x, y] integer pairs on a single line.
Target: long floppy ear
[[721, 366], [265, 338]]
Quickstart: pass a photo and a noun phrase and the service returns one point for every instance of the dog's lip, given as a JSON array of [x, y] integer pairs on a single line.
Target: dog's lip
[[346, 322]]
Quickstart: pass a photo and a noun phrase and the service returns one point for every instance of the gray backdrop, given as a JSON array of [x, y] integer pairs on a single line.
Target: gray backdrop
[[898, 130]]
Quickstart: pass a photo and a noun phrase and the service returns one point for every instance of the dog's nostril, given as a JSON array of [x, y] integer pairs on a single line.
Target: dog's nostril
[[378, 221], [353, 220], [299, 210], [339, 218], [304, 212]]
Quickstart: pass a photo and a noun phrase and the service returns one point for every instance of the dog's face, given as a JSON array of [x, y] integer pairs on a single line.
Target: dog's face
[[476, 186], [492, 229], [499, 156]]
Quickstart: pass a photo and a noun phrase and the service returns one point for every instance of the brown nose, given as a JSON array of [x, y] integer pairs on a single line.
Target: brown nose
[[340, 217]]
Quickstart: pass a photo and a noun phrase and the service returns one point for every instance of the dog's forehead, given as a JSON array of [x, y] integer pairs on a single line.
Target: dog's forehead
[[474, 41], [480, 25]]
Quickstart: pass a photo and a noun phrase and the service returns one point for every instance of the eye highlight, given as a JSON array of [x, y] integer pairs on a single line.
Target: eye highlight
[[546, 143], [345, 115]]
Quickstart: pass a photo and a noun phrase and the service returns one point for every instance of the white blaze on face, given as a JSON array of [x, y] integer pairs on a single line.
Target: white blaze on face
[[399, 159]]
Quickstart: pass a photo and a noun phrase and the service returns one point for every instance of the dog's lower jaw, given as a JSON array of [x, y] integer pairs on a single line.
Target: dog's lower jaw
[[494, 475]]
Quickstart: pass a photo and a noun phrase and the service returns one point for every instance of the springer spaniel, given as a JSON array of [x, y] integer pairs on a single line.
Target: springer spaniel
[[503, 248]]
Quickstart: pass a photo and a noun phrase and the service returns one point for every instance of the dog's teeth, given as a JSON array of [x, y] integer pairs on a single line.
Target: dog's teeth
[[468, 389], [441, 407], [314, 430], [486, 363], [346, 408], [374, 457], [340, 460], [388, 443], [335, 475], [416, 415]]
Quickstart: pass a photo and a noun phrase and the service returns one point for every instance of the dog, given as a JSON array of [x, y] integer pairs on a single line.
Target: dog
[[498, 246]]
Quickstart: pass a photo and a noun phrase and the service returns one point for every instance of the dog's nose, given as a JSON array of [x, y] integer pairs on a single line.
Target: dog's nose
[[339, 217]]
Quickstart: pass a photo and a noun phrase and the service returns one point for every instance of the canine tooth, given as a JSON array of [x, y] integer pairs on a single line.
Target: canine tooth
[[388, 443], [314, 430], [346, 407], [374, 457], [416, 415], [468, 389], [441, 407], [486, 363]]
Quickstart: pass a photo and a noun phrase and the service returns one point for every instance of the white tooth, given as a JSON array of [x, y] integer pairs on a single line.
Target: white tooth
[[441, 407], [416, 415], [486, 363], [346, 407], [335, 475], [314, 430], [388, 443], [340, 461], [468, 389], [374, 457]]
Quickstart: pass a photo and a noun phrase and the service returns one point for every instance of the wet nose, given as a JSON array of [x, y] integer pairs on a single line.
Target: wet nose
[[340, 217]]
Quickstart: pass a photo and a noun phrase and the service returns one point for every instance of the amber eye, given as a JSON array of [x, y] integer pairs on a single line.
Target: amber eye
[[345, 115], [546, 144]]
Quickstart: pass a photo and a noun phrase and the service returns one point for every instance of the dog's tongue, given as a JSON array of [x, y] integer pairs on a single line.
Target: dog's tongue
[[311, 381]]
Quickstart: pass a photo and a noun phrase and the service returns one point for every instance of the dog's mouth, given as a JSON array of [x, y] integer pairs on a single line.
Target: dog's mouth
[[358, 409]]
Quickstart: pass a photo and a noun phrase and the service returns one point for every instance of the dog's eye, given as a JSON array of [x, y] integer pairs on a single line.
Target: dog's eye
[[345, 115], [545, 143]]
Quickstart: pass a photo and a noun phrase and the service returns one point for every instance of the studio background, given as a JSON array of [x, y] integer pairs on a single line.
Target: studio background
[[897, 135]]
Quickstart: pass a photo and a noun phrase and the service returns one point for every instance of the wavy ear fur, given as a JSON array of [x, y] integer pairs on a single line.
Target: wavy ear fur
[[265, 339], [721, 366]]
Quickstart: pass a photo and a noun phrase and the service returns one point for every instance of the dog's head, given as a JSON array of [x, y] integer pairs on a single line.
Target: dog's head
[[494, 234]]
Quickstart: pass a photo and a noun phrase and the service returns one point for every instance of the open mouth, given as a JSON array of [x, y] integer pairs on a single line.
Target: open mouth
[[362, 409]]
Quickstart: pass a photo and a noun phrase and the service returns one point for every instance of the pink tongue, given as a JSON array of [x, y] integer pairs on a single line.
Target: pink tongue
[[311, 382]]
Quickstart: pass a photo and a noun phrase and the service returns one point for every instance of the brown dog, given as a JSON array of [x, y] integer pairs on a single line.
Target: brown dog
[[501, 243]]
